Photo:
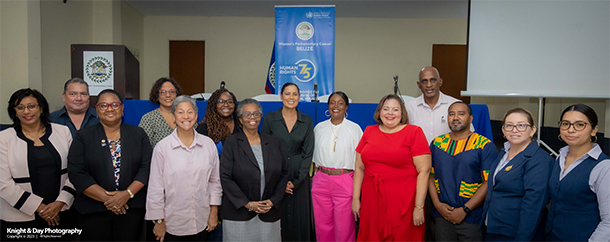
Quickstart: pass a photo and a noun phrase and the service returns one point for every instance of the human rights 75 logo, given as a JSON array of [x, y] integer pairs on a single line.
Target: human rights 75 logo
[[306, 70]]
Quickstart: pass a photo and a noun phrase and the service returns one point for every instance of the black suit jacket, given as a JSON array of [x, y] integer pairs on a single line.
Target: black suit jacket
[[89, 163], [240, 177]]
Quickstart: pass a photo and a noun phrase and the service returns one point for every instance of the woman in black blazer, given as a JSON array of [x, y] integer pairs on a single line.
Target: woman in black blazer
[[254, 174], [109, 164]]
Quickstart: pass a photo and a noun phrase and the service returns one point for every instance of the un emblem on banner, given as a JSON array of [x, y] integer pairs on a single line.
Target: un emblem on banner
[[306, 70], [304, 30], [99, 69]]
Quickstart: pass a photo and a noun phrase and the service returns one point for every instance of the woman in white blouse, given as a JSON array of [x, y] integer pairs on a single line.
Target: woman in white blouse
[[334, 155]]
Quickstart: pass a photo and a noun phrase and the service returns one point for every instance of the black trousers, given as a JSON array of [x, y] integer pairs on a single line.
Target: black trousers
[[107, 226], [446, 231]]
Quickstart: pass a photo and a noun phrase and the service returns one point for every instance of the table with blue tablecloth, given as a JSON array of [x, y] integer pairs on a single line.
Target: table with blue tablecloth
[[360, 113]]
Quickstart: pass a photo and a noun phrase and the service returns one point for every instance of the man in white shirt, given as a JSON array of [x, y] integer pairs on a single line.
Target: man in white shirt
[[429, 110]]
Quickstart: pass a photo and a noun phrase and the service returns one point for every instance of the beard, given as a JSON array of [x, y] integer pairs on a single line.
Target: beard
[[459, 127]]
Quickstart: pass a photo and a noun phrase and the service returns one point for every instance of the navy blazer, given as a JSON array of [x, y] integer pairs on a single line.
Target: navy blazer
[[515, 201], [241, 178], [90, 162]]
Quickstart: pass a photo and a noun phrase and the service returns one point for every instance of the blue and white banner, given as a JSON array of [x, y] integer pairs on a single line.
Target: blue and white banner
[[305, 48]]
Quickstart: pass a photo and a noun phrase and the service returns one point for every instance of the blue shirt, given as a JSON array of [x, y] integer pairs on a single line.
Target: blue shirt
[[61, 117]]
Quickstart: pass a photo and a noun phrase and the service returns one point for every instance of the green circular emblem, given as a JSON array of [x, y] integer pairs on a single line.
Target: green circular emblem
[[98, 69]]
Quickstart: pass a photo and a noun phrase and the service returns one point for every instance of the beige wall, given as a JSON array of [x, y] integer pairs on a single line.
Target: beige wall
[[20, 44], [132, 29], [78, 23], [35, 39], [368, 51], [237, 50], [62, 26]]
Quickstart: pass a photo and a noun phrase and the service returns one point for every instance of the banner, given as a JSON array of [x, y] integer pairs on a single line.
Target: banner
[[98, 70], [305, 48]]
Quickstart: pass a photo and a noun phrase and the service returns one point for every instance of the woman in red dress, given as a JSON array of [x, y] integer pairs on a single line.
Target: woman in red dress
[[391, 172]]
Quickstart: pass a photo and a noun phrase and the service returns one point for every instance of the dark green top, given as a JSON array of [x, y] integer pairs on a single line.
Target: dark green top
[[298, 144], [298, 147]]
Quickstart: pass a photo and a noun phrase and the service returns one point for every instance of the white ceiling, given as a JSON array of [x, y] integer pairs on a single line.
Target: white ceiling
[[344, 8]]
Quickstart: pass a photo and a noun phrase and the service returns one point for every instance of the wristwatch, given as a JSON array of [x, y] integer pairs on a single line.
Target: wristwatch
[[130, 193], [466, 209], [159, 221]]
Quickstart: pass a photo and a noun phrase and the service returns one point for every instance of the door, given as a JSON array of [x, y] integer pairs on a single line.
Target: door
[[450, 60], [186, 65]]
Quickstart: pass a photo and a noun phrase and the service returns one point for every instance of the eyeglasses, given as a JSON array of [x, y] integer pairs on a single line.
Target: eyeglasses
[[105, 106], [510, 127], [250, 115], [425, 82], [171, 91], [220, 102], [74, 94], [578, 126], [29, 107]]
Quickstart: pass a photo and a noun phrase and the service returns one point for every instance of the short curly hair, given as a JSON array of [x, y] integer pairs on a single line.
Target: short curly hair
[[154, 91]]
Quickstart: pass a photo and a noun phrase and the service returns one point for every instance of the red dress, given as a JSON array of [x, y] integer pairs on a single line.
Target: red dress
[[388, 187]]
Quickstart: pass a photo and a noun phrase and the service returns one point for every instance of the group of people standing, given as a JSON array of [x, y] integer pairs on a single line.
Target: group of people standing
[[223, 179]]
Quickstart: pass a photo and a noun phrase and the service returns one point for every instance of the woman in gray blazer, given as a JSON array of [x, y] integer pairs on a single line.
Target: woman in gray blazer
[[253, 174]]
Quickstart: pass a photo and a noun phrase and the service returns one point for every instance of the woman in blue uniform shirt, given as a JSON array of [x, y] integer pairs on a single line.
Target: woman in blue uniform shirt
[[518, 179], [578, 185]]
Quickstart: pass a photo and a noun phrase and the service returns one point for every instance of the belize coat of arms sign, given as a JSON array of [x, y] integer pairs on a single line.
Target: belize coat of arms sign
[[98, 70]]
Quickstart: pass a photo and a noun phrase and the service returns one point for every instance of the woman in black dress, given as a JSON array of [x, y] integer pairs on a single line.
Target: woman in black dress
[[295, 131]]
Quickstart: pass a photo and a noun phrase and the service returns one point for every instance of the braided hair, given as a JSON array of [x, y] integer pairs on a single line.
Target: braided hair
[[217, 129]]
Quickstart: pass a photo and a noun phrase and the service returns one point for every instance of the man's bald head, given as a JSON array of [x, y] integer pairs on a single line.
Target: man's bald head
[[430, 82], [429, 68]]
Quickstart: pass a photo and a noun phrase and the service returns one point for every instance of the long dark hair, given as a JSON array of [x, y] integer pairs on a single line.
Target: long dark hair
[[584, 109], [587, 111], [217, 129]]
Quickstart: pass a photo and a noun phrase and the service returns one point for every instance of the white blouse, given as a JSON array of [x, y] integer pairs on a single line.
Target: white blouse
[[335, 145]]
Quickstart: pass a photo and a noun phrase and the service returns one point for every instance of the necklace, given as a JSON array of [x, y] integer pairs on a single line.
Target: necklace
[[117, 134], [34, 135], [335, 136], [113, 144]]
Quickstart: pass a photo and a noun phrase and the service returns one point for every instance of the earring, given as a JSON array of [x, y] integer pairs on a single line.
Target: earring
[[327, 113], [345, 115], [559, 137], [595, 141]]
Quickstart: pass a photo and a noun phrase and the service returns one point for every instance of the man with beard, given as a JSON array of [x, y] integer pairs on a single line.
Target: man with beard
[[429, 111], [76, 113], [461, 160]]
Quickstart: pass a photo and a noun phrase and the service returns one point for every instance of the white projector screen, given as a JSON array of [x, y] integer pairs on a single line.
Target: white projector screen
[[539, 48]]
